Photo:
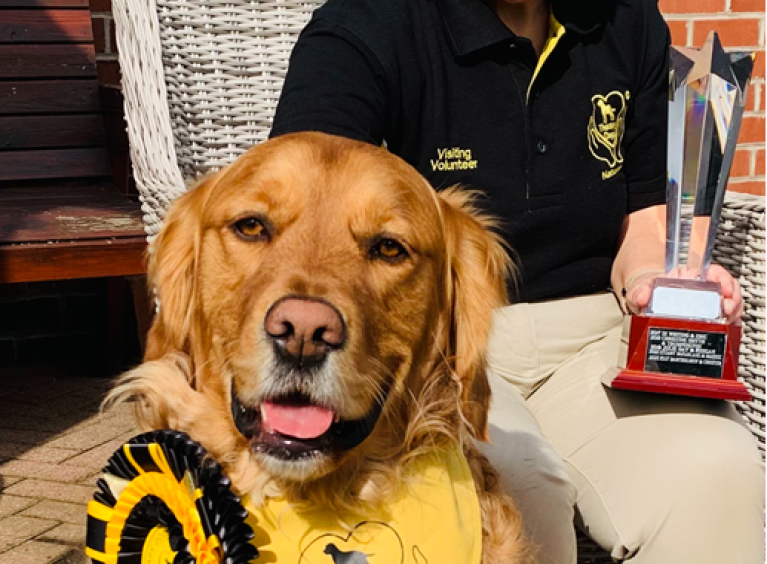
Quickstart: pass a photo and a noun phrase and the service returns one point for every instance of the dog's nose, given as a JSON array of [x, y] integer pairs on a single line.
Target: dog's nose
[[305, 329]]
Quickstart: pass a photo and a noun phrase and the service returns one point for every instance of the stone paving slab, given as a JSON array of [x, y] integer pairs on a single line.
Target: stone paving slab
[[69, 513], [7, 543], [91, 480], [96, 458], [53, 445], [65, 534], [41, 489], [6, 481], [11, 504], [47, 454], [68, 473], [32, 438], [33, 423], [39, 454], [37, 552], [18, 527]]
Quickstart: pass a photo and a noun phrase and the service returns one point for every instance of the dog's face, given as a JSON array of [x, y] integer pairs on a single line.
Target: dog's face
[[318, 284]]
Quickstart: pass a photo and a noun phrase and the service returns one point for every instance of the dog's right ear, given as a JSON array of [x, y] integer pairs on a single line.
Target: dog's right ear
[[476, 275], [172, 273]]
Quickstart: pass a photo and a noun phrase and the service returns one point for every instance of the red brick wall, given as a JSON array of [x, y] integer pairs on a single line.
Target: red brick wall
[[740, 25], [104, 40]]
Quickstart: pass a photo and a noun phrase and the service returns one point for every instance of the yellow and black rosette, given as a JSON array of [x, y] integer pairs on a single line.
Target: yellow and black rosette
[[162, 500]]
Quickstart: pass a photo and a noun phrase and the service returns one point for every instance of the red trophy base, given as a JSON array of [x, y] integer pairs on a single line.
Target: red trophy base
[[681, 357]]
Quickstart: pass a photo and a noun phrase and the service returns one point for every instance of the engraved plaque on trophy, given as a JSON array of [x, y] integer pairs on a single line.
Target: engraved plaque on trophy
[[682, 343]]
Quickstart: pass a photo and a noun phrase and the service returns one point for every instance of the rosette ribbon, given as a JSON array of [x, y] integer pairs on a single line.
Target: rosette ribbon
[[162, 500]]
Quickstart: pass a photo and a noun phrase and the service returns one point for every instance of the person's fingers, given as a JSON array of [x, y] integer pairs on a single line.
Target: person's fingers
[[732, 297], [727, 283], [733, 307], [638, 296], [729, 288]]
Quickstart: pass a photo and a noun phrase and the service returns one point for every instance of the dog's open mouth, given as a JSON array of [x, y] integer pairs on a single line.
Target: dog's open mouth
[[293, 428]]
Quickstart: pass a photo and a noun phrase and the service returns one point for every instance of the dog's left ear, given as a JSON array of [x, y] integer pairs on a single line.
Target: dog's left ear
[[173, 273], [478, 268]]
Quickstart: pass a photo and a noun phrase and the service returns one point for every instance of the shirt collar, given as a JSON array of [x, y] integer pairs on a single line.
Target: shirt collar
[[471, 25]]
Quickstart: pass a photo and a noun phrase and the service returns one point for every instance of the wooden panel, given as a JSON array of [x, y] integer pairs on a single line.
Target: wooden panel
[[43, 3], [45, 26], [47, 61], [97, 213], [71, 190], [54, 163], [64, 261], [34, 132], [49, 96]]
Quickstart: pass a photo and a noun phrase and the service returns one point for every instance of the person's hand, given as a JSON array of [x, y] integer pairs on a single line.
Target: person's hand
[[639, 289], [732, 298]]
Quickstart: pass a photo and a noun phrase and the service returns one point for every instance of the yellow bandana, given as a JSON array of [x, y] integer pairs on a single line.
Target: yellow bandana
[[435, 519]]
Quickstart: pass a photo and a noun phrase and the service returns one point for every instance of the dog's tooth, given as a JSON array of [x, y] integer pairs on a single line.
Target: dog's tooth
[[336, 418], [263, 413]]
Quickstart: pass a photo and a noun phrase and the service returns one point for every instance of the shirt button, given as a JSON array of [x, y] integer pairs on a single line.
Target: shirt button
[[542, 147]]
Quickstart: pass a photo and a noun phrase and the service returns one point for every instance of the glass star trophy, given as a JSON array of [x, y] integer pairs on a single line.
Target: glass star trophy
[[682, 343]]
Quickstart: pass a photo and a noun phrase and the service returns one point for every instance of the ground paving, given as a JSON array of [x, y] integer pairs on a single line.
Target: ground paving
[[53, 444]]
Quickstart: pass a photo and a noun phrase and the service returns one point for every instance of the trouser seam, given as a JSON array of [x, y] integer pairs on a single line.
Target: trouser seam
[[596, 491]]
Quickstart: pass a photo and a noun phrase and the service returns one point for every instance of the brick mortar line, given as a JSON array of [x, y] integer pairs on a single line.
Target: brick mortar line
[[758, 87], [684, 16], [692, 18], [752, 149], [751, 164], [108, 22]]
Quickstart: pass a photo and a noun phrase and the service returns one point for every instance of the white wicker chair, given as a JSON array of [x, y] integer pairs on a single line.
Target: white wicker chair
[[201, 79]]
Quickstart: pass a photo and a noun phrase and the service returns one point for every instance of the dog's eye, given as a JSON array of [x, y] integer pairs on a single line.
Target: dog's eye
[[251, 229], [388, 249]]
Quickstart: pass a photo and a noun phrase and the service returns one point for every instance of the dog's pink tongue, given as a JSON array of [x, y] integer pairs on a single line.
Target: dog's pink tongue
[[299, 421]]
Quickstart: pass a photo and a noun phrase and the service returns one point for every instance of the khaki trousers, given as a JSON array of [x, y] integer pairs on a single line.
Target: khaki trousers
[[652, 478]]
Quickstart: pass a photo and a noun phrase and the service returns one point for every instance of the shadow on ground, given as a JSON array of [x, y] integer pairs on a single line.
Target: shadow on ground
[[53, 445]]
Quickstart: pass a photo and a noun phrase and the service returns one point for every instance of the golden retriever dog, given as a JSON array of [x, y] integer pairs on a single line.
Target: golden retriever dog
[[323, 320]]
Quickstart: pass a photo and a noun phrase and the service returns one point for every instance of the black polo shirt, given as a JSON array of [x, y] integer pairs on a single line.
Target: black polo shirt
[[563, 146]]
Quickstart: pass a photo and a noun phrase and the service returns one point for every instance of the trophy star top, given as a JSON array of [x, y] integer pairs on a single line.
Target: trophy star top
[[691, 64], [710, 59]]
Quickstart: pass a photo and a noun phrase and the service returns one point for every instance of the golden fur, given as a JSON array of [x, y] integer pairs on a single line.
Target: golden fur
[[416, 326]]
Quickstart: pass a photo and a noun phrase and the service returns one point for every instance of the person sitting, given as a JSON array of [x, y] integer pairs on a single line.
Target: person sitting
[[556, 110]]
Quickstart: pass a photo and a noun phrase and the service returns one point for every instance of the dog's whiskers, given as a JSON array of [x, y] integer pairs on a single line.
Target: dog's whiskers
[[384, 374]]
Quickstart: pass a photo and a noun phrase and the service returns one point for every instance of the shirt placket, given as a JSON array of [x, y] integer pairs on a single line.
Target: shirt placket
[[536, 145]]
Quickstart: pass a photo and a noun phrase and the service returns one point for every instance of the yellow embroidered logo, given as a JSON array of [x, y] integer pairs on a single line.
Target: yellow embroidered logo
[[453, 159], [605, 131]]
